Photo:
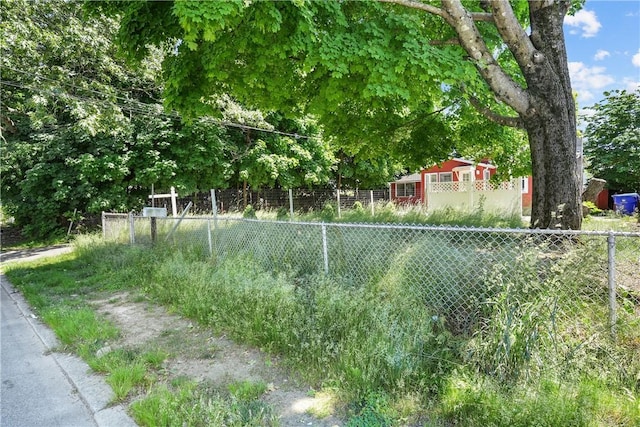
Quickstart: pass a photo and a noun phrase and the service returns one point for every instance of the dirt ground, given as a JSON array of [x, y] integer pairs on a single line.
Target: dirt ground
[[198, 354]]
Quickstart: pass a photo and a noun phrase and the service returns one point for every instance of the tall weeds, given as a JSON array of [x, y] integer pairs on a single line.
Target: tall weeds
[[463, 320]]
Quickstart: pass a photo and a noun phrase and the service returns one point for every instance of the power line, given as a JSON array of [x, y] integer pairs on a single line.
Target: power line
[[173, 115]]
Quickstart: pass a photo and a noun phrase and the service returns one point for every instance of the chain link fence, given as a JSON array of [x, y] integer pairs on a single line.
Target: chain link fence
[[517, 287]]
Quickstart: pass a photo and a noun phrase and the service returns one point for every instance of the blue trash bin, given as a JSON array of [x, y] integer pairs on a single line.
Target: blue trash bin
[[626, 203]]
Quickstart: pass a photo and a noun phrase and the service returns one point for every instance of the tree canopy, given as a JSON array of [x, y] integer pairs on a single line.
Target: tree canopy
[[612, 146], [83, 132], [362, 71], [388, 77]]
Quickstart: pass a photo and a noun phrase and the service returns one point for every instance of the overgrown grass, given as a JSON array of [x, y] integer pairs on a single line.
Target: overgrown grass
[[191, 404], [389, 213], [471, 400], [528, 343]]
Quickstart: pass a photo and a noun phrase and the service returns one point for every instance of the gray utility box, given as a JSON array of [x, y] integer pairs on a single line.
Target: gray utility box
[[154, 212]]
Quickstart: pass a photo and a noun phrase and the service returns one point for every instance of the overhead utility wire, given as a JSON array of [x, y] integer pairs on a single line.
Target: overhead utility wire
[[71, 85], [149, 113]]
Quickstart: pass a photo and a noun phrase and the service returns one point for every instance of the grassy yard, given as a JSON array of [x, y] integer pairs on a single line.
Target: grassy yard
[[542, 359]]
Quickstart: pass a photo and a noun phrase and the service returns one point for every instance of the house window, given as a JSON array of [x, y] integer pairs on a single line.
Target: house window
[[406, 189], [446, 176], [524, 184], [466, 176], [487, 175]]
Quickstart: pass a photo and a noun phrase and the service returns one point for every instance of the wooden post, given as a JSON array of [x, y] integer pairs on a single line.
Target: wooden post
[[172, 195], [174, 207], [154, 230]]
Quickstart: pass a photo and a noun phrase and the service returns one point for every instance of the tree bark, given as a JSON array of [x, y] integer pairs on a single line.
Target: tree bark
[[551, 122]]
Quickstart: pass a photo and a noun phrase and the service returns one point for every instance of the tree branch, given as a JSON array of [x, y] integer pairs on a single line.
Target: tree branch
[[512, 33], [506, 89], [469, 37], [476, 16], [416, 5], [449, 42], [511, 121]]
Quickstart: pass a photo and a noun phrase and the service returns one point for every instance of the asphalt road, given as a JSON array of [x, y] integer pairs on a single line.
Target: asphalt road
[[41, 387]]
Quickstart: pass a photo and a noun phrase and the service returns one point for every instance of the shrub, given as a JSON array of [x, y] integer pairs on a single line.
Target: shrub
[[249, 212], [592, 208], [282, 214], [328, 212]]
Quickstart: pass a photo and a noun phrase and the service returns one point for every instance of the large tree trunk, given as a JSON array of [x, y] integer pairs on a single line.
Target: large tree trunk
[[545, 105], [556, 190], [550, 123]]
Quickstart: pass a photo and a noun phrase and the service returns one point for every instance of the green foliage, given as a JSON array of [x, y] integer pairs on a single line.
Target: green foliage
[[86, 132], [367, 71], [593, 209], [612, 146], [389, 213], [123, 379], [196, 405], [249, 212], [328, 212], [247, 391], [282, 213], [79, 328], [373, 412], [536, 356], [567, 401]]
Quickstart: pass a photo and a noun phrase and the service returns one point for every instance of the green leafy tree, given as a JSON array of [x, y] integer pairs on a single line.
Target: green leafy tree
[[612, 147], [272, 151], [380, 64], [81, 131], [360, 170]]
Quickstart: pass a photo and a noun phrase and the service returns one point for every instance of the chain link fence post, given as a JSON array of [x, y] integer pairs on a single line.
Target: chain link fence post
[[132, 230], [104, 225], [611, 254], [291, 203], [209, 237], [325, 252]]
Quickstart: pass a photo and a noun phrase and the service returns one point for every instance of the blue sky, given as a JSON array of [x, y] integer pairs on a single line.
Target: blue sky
[[603, 48]]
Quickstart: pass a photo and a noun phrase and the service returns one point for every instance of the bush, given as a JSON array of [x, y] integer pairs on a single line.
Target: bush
[[282, 214], [593, 209], [249, 212], [328, 212]]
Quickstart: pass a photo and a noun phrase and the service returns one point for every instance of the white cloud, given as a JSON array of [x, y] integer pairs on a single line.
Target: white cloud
[[601, 54], [586, 21], [587, 80], [635, 60], [631, 85]]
